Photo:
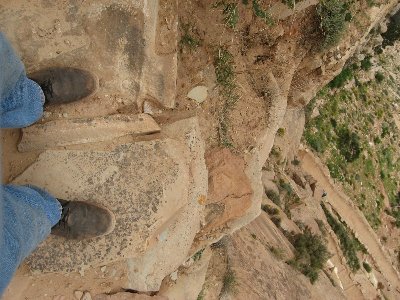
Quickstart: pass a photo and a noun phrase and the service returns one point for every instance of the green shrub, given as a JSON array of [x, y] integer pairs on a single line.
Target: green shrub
[[367, 267], [198, 255], [281, 132], [332, 14], [341, 79], [379, 76], [274, 197], [311, 253], [231, 15], [270, 210], [276, 220], [295, 162], [348, 144], [366, 63]]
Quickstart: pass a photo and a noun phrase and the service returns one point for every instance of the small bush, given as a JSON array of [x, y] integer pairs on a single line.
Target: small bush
[[366, 63], [367, 267], [332, 14], [379, 76], [274, 197], [348, 144], [281, 132], [341, 79], [198, 255], [311, 253], [276, 220], [295, 162]]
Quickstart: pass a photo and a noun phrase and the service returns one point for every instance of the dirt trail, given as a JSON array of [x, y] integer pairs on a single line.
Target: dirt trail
[[351, 215]]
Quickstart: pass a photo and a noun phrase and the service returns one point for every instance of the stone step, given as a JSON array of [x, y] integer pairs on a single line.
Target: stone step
[[67, 132]]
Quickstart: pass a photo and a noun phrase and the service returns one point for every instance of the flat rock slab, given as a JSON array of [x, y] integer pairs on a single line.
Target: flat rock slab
[[80, 131], [144, 184]]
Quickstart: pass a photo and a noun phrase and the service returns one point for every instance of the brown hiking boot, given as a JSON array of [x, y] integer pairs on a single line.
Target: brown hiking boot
[[62, 85], [83, 220]]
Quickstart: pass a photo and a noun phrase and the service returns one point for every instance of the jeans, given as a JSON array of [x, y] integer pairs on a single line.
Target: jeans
[[27, 213]]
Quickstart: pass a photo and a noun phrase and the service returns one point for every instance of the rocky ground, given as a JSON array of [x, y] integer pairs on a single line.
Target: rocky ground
[[192, 140]]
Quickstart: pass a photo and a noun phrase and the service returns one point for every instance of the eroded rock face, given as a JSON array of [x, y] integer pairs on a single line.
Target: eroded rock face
[[229, 191]]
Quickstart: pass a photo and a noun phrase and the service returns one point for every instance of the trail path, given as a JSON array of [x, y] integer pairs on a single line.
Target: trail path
[[350, 214]]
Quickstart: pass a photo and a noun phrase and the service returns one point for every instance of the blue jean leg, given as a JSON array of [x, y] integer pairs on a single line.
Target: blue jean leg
[[27, 213]]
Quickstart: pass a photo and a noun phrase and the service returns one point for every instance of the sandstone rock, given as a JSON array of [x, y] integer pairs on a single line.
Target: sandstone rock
[[78, 295], [267, 182], [79, 131], [198, 94], [190, 279], [144, 184], [86, 296], [146, 272], [293, 123], [229, 188], [151, 107]]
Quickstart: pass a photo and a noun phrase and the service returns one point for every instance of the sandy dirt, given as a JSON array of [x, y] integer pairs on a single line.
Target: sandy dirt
[[352, 216]]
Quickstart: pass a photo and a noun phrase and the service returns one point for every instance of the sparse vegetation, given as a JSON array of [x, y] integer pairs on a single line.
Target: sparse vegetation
[[188, 38], [348, 243], [229, 282], [223, 63], [230, 12], [201, 295], [332, 14], [259, 12], [310, 254], [198, 255]]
